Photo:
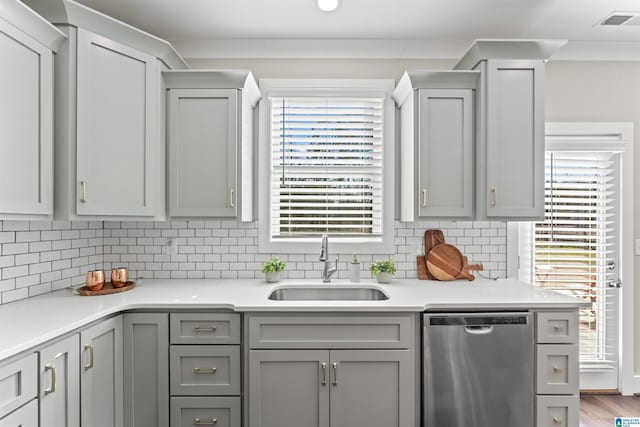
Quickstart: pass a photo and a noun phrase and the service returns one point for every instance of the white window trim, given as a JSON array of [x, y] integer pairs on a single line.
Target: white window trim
[[326, 87], [629, 382]]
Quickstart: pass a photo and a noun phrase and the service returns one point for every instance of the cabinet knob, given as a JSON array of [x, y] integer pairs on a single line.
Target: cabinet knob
[[557, 421], [557, 328], [199, 422], [557, 370]]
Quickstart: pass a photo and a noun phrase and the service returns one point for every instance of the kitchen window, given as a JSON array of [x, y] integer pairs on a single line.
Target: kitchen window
[[326, 150]]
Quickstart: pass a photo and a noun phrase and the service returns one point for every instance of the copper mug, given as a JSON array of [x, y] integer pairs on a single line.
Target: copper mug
[[119, 277], [95, 280]]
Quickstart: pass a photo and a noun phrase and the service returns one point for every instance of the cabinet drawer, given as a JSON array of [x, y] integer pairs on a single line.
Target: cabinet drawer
[[205, 328], [557, 411], [557, 369], [557, 328], [331, 331], [205, 370], [205, 411], [18, 383], [27, 416]]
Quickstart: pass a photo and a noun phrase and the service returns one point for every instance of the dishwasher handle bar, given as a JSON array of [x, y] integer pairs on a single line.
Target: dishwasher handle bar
[[478, 330], [477, 319]]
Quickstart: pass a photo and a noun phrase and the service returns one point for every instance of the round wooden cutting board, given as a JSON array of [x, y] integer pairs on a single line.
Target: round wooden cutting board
[[445, 262]]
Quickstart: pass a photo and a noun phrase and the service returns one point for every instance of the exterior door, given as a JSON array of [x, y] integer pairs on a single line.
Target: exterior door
[[289, 388], [117, 140], [372, 388], [445, 153], [101, 374], [203, 152]]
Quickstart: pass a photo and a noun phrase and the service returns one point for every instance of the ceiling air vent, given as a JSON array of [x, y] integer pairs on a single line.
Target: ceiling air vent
[[622, 18]]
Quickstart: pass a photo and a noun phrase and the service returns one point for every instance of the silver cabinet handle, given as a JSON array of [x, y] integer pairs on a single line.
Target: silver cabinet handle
[[335, 373], [89, 347], [199, 422], [424, 197], [231, 197], [83, 199], [204, 328], [494, 202], [557, 328], [324, 374], [557, 420], [557, 370], [52, 389], [204, 370]]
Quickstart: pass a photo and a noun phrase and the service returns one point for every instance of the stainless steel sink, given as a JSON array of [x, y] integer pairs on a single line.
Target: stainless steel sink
[[327, 293]]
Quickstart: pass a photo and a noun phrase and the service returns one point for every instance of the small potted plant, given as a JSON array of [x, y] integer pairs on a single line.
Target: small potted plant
[[272, 268], [383, 270]]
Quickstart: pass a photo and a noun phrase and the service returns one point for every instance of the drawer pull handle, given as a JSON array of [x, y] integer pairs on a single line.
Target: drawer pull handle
[[51, 389], [335, 373], [199, 422], [324, 374], [557, 370], [424, 197], [204, 328], [204, 370], [557, 420], [557, 328], [494, 202], [89, 347], [232, 198]]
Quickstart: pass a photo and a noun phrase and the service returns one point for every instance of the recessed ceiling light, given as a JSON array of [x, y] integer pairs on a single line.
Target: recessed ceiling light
[[328, 5]]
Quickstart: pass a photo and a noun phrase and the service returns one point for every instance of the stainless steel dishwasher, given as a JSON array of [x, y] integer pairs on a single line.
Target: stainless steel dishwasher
[[478, 370]]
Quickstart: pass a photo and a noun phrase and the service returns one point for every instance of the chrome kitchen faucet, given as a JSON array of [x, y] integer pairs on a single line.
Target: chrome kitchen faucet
[[327, 272]]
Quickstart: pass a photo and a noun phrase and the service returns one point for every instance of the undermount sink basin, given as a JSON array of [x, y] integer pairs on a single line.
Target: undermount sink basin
[[327, 293]]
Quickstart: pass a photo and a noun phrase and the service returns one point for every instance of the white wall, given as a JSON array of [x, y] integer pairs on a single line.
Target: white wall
[[602, 92]]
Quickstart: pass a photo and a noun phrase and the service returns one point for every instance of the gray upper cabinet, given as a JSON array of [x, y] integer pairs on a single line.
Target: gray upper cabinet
[[210, 143], [510, 136], [117, 133], [437, 144], [60, 383], [203, 152], [101, 374], [109, 146], [27, 44]]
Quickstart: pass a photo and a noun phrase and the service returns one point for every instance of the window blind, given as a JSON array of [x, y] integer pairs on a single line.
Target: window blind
[[327, 165], [574, 249]]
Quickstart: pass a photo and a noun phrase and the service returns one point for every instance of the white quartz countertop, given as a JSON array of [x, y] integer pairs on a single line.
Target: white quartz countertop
[[31, 322]]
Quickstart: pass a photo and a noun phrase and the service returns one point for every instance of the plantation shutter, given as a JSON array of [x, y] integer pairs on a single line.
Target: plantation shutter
[[326, 166], [573, 249]]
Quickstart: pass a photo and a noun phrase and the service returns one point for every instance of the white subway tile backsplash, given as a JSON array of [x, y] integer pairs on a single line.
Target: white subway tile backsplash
[[43, 256]]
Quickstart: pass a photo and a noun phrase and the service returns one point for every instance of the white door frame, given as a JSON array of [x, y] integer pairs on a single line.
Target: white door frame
[[620, 135]]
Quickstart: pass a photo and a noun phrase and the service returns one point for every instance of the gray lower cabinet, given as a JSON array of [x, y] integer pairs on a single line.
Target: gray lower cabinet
[[146, 369], [101, 374], [205, 411], [337, 388], [59, 394], [27, 416], [18, 392]]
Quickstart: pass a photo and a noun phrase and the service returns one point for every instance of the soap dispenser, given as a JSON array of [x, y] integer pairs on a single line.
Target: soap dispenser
[[354, 269]]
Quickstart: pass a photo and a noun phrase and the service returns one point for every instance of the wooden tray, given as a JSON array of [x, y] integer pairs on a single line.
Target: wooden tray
[[106, 289]]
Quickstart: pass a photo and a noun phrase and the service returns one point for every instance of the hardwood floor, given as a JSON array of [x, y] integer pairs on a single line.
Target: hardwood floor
[[601, 410]]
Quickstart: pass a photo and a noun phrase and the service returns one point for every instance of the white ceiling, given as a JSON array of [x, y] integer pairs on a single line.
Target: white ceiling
[[372, 28]]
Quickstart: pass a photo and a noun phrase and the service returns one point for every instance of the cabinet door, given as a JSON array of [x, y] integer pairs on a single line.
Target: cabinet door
[[372, 388], [146, 369], [202, 152], [445, 153], [26, 124], [102, 374], [515, 139], [289, 388], [60, 383], [117, 140]]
